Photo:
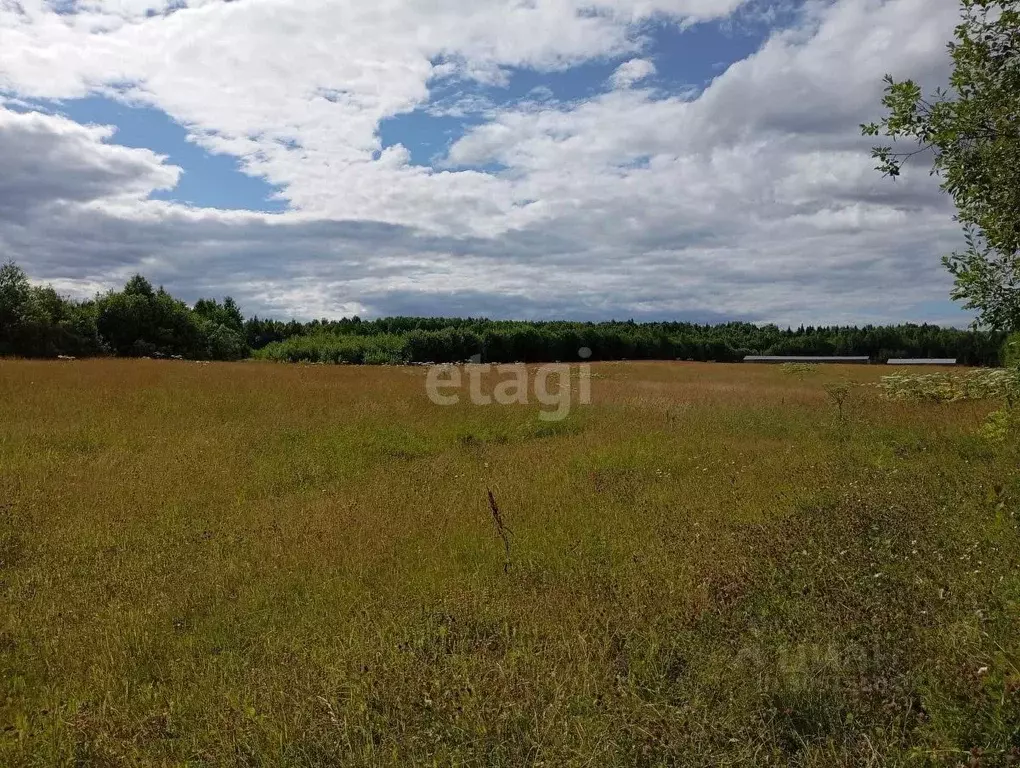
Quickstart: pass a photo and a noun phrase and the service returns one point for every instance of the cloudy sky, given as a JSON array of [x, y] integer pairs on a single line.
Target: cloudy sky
[[687, 159]]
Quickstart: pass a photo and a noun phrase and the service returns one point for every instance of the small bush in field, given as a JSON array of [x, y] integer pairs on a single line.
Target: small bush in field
[[798, 369], [1000, 425], [841, 395]]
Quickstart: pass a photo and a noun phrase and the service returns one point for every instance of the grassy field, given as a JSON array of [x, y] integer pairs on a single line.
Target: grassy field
[[270, 565]]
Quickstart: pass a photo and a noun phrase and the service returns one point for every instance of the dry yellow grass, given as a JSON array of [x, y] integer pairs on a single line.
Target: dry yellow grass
[[258, 564]]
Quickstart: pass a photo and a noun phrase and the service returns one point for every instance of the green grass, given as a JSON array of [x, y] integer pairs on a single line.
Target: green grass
[[268, 565]]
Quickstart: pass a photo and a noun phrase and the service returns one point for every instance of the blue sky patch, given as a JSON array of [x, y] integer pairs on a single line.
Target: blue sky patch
[[426, 136], [208, 180], [685, 59]]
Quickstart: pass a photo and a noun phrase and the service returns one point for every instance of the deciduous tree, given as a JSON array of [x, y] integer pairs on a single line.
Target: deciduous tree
[[971, 133]]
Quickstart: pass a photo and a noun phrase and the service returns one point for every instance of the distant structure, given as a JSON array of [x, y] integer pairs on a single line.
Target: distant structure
[[922, 361], [804, 359]]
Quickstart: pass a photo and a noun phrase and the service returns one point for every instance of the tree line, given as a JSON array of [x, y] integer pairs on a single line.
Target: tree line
[[138, 321], [143, 321], [404, 340]]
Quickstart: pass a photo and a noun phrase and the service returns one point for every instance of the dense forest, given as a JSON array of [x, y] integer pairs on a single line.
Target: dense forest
[[143, 321]]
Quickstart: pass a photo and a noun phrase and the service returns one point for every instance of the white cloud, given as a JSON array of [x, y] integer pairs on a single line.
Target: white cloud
[[47, 159], [753, 198], [631, 72]]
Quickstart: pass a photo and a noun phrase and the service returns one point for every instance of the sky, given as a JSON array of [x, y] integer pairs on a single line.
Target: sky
[[544, 159]]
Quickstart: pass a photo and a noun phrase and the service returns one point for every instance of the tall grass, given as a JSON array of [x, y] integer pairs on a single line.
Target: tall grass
[[267, 565]]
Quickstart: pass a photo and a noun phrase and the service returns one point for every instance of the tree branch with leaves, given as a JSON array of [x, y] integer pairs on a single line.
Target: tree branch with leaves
[[972, 132]]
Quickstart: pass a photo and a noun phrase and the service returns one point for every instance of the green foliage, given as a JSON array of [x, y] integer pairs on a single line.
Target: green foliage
[[37, 322], [972, 133], [1011, 351], [222, 326], [1000, 425], [324, 348], [140, 321], [445, 340], [223, 342], [15, 295], [227, 314]]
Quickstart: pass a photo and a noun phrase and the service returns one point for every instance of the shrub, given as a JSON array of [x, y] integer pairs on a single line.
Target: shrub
[[224, 342], [332, 348], [1011, 351], [798, 369]]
